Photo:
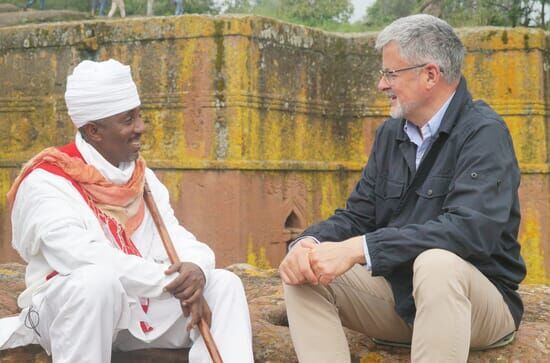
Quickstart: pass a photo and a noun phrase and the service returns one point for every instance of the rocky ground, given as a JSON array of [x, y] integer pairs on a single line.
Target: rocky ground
[[270, 327]]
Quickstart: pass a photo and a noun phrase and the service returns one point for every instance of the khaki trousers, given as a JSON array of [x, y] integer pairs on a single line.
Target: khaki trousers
[[457, 308]]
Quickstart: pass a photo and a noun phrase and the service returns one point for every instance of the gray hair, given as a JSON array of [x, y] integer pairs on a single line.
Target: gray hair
[[424, 38]]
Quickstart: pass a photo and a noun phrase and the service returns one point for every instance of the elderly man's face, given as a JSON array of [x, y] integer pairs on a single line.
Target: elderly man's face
[[403, 88], [118, 137]]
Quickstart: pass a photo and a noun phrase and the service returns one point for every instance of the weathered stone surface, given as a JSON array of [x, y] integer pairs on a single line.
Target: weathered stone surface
[[270, 327], [262, 124], [11, 17], [8, 8], [11, 284]]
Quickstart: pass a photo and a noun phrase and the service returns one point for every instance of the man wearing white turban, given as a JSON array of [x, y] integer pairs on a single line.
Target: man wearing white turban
[[98, 277]]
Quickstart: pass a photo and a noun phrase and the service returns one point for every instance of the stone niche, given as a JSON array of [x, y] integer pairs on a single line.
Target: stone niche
[[258, 127]]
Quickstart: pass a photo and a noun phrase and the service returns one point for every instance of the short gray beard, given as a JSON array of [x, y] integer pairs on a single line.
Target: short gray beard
[[400, 110], [397, 111]]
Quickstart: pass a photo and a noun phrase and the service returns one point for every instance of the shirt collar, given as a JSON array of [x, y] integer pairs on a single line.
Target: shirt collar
[[119, 175], [431, 127]]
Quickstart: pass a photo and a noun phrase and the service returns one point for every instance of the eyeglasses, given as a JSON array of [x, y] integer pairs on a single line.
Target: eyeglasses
[[389, 75]]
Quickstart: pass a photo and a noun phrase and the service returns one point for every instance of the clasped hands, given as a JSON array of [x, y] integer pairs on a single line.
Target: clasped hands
[[188, 288], [314, 263]]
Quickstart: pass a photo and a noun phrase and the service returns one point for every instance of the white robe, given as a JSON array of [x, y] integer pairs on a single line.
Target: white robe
[[55, 230]]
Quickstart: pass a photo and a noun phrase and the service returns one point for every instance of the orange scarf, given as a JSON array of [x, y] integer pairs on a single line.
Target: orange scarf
[[123, 202]]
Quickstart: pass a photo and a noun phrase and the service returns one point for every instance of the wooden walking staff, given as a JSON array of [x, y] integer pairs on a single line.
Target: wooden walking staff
[[173, 256]]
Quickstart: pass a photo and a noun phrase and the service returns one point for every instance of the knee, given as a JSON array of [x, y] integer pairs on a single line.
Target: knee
[[226, 280], [294, 297], [436, 268], [293, 293], [298, 295], [94, 283], [436, 261]]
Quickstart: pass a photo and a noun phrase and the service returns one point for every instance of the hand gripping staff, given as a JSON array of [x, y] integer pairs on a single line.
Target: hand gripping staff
[[173, 256]]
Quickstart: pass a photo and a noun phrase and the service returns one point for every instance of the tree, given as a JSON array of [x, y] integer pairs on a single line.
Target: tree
[[238, 6], [310, 12], [384, 12], [318, 10], [463, 12], [200, 7], [487, 12]]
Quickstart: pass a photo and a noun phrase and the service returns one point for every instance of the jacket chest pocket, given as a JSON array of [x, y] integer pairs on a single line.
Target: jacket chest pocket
[[388, 194], [434, 187], [431, 196]]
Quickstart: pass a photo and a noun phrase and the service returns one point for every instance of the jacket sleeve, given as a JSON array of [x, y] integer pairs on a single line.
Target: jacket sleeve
[[189, 249], [474, 214], [52, 225], [358, 217]]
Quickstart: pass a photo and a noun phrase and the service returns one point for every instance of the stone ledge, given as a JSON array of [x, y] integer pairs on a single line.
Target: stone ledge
[[13, 17], [270, 327], [8, 8]]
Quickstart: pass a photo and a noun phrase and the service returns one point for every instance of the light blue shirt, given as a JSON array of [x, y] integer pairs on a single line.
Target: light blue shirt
[[422, 137]]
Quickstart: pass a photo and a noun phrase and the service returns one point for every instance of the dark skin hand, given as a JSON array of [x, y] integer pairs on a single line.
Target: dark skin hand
[[189, 285], [198, 310], [188, 288]]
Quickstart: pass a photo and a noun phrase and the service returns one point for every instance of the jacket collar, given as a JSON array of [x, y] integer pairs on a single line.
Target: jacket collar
[[460, 98]]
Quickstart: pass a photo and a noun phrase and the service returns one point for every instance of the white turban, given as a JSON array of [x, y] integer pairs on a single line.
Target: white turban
[[99, 89]]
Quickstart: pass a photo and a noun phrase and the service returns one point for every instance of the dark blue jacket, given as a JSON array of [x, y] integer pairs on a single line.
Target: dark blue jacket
[[468, 203]]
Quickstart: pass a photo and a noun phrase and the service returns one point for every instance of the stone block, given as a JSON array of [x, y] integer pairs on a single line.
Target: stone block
[[260, 126]]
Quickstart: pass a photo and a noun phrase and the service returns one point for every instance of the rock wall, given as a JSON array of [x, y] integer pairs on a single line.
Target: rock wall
[[260, 128]]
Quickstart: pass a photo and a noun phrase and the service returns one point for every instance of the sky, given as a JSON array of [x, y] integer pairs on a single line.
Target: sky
[[359, 7]]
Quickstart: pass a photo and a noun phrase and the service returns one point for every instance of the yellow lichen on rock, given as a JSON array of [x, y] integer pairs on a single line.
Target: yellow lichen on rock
[[246, 112]]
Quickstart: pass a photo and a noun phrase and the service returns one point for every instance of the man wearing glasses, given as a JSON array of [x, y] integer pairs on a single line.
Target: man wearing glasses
[[425, 252]]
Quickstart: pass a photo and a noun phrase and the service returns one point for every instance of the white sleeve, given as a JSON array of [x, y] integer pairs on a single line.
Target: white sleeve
[[50, 218], [368, 264], [189, 249]]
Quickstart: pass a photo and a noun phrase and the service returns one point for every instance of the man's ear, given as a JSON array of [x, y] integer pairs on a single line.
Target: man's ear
[[433, 74], [91, 132]]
